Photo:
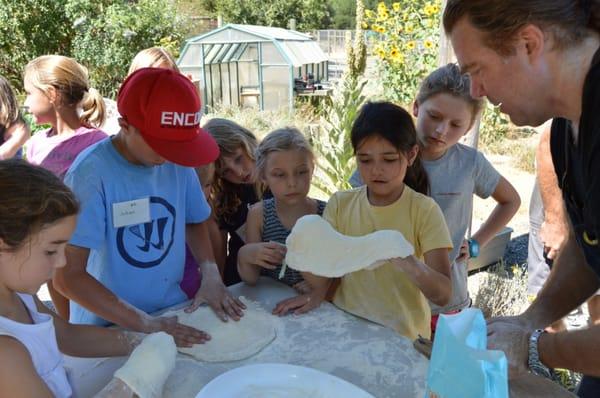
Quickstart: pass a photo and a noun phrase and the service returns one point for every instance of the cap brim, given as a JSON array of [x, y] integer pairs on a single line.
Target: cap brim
[[202, 150]]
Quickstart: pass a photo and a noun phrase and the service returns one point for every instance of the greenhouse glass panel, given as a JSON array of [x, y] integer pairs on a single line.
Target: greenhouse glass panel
[[271, 55], [192, 56], [276, 87], [249, 89], [230, 36], [211, 51]]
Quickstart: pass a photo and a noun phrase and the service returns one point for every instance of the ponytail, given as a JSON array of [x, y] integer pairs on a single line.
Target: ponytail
[[94, 109], [416, 177]]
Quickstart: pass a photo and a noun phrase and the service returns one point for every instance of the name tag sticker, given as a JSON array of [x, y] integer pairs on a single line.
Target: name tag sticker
[[131, 212]]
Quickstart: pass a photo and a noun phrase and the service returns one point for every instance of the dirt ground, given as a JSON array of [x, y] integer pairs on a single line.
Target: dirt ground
[[523, 183]]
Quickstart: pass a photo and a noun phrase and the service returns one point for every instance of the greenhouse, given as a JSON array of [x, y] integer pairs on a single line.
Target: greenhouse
[[255, 66]]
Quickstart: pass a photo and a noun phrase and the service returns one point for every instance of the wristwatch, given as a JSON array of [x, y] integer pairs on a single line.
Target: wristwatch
[[473, 248], [534, 363]]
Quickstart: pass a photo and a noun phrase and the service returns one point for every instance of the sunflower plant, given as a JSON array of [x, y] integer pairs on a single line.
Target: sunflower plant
[[406, 44]]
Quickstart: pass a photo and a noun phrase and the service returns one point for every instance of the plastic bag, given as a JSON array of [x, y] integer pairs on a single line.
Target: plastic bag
[[461, 366]]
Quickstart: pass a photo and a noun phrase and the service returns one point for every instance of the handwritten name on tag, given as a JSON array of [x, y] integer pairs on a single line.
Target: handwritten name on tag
[[131, 212]]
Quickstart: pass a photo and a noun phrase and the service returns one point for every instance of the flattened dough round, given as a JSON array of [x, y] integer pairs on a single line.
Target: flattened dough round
[[314, 246], [231, 340]]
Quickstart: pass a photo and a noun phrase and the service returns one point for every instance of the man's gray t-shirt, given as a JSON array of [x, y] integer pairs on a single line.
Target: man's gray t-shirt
[[453, 179]]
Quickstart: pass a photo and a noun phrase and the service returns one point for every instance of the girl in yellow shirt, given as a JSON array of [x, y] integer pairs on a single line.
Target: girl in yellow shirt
[[394, 197]]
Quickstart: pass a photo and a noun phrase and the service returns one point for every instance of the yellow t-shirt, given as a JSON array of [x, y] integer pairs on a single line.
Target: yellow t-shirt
[[386, 295]]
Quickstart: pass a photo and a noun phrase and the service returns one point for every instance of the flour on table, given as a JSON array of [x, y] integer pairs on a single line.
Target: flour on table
[[314, 246], [231, 340]]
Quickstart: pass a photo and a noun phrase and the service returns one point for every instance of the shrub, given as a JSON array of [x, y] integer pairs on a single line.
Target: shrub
[[501, 292], [331, 142]]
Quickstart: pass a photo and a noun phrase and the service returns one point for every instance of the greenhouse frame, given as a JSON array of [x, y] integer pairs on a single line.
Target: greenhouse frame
[[252, 66]]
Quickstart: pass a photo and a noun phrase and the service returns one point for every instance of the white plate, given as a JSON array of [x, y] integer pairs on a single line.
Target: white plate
[[274, 380]]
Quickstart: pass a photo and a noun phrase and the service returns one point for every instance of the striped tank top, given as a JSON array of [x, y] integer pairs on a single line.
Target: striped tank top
[[274, 231]]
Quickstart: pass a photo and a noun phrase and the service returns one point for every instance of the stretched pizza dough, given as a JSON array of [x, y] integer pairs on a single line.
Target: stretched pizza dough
[[314, 246], [231, 340]]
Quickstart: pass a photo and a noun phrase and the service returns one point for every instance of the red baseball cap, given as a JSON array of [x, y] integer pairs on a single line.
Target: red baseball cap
[[165, 107]]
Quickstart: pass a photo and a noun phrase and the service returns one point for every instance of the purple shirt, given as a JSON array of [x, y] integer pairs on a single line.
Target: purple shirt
[[190, 283], [57, 152]]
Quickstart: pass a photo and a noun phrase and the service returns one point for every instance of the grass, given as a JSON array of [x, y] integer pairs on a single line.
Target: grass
[[305, 118]]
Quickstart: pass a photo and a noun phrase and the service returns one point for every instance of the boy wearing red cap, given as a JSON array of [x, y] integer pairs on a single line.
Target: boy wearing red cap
[[140, 202]]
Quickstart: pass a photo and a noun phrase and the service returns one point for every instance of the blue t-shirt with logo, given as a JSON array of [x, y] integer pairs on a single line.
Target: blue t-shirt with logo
[[139, 255]]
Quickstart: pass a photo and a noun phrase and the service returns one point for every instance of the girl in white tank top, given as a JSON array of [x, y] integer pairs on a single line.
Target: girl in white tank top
[[37, 217]]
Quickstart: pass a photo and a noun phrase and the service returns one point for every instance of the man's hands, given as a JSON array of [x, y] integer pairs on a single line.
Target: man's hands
[[553, 235], [511, 335]]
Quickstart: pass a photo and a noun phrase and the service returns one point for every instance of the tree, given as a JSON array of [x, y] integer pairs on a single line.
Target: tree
[[108, 43], [343, 14], [103, 35], [309, 14], [31, 28]]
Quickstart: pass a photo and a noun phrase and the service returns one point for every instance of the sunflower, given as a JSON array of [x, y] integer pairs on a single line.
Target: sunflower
[[428, 10], [396, 6], [411, 45], [428, 44]]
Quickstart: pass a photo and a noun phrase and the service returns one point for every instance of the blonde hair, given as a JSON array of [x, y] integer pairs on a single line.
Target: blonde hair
[[283, 139], [71, 81], [9, 108], [230, 137], [152, 57], [448, 80]]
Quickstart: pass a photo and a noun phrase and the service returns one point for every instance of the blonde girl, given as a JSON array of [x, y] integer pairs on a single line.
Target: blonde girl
[[59, 94], [153, 57], [14, 132], [234, 189], [284, 163]]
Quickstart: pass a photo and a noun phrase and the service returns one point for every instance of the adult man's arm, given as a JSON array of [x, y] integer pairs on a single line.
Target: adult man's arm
[[78, 285], [555, 229], [570, 283]]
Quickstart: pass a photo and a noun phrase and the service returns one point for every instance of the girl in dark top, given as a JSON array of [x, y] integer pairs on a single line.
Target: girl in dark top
[[285, 163], [234, 190]]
